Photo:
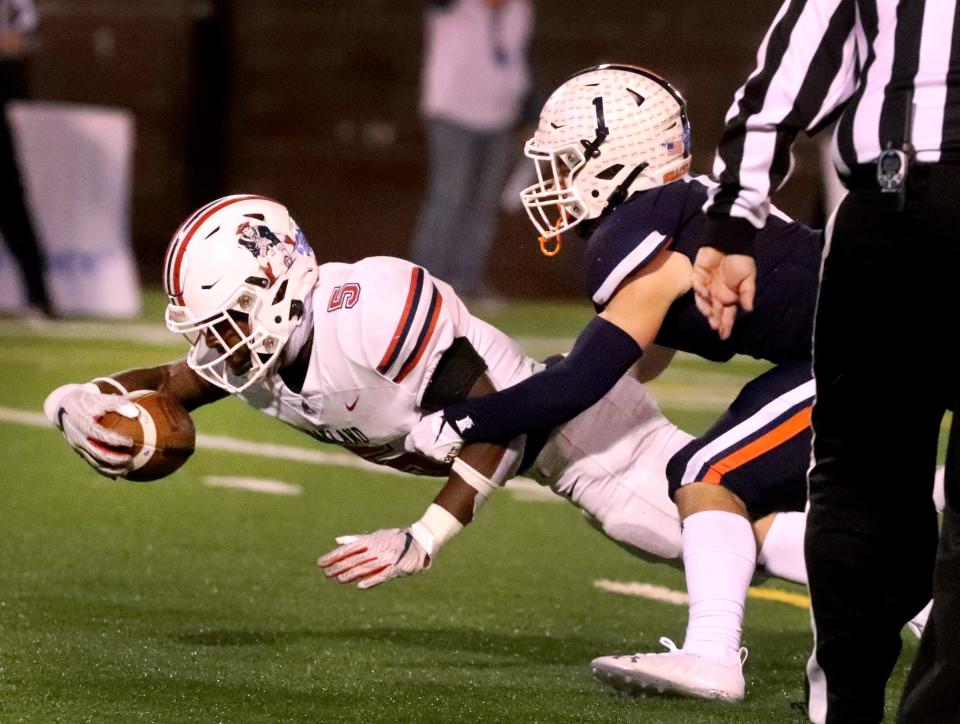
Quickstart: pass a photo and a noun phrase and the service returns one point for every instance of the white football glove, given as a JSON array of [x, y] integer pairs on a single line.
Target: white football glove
[[76, 411], [374, 558], [435, 437]]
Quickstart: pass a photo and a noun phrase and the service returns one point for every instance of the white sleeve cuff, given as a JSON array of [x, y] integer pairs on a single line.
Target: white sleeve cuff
[[437, 526]]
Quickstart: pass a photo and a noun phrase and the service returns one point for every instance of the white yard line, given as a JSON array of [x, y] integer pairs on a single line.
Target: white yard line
[[23, 417], [521, 488], [644, 590], [530, 491], [151, 335], [679, 598], [256, 485], [714, 390], [155, 334], [223, 443]]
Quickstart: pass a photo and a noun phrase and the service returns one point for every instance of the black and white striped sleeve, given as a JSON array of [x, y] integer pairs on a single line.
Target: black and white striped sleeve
[[806, 71]]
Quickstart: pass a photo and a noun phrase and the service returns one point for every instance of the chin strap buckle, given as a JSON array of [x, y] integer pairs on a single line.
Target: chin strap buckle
[[545, 245], [557, 242]]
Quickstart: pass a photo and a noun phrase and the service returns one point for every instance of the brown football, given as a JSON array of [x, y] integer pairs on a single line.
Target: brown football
[[163, 434]]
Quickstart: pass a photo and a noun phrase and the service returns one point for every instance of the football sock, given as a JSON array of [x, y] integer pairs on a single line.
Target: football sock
[[719, 556], [939, 499], [781, 554]]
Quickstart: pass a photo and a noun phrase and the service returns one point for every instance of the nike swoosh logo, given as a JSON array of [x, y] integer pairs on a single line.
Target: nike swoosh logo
[[557, 126], [60, 413], [211, 285], [408, 541], [350, 407]]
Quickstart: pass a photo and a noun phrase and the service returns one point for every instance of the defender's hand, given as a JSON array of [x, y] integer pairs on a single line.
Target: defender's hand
[[76, 410], [720, 283], [374, 558], [435, 437]]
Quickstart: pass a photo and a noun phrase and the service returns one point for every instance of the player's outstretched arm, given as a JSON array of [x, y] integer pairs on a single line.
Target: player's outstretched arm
[[604, 351], [370, 559], [374, 558], [75, 409], [175, 379]]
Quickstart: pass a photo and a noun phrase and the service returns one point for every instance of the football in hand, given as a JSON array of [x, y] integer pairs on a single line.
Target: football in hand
[[163, 434]]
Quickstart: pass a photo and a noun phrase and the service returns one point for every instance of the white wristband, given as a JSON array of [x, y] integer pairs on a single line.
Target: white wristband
[[437, 526], [113, 383]]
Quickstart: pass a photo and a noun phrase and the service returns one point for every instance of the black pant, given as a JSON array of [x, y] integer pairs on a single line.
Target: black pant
[[932, 693], [885, 367], [15, 222]]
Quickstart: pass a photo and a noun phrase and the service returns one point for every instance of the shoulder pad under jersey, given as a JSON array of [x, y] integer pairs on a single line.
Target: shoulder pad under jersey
[[631, 237], [403, 323]]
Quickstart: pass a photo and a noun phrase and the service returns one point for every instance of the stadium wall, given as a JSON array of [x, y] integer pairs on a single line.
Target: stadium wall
[[315, 103]]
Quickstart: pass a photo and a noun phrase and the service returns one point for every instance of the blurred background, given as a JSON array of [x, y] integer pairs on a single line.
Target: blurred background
[[316, 103], [189, 601]]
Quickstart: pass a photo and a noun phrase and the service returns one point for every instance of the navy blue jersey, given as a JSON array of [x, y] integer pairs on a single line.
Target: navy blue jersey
[[788, 266]]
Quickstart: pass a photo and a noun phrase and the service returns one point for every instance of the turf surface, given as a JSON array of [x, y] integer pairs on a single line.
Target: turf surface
[[176, 601]]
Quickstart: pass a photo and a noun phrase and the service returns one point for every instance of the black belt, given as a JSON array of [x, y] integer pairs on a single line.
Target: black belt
[[863, 177]]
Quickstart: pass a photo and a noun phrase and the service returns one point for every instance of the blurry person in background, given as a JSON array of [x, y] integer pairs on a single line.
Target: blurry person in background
[[18, 24], [475, 80]]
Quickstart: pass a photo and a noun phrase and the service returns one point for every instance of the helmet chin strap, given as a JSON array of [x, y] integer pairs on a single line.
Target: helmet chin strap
[[620, 193], [300, 334]]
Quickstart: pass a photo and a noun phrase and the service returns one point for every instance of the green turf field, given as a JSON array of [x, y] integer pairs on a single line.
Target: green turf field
[[176, 601]]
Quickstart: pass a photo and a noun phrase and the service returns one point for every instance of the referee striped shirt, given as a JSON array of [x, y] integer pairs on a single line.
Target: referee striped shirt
[[884, 67]]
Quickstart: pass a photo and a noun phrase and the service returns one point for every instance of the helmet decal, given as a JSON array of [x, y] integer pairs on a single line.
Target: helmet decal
[[301, 245], [266, 248], [591, 149]]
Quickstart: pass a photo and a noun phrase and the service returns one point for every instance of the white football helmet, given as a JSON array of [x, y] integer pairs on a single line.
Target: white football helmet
[[607, 132], [237, 273]]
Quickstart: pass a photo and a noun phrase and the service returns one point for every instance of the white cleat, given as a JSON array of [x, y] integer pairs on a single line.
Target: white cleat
[[675, 671]]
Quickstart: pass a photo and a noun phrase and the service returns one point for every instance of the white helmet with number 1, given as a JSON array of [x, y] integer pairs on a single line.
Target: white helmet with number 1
[[607, 132], [236, 274]]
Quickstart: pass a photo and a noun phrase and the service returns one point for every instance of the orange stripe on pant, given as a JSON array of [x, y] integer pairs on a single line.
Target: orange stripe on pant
[[766, 442]]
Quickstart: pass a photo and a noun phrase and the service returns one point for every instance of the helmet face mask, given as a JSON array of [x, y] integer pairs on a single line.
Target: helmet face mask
[[226, 349], [237, 274], [554, 203], [603, 134]]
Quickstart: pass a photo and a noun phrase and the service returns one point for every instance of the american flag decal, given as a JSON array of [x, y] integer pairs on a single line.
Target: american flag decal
[[673, 148]]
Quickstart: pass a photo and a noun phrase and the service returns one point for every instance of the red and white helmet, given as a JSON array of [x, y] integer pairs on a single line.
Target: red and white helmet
[[607, 132], [238, 259]]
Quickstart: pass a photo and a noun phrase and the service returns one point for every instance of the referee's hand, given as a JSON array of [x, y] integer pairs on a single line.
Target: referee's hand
[[720, 284]]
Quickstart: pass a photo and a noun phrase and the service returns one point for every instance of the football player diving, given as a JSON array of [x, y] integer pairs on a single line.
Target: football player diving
[[612, 153], [356, 354]]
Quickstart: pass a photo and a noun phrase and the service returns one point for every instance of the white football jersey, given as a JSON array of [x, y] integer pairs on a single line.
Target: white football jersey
[[380, 326]]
